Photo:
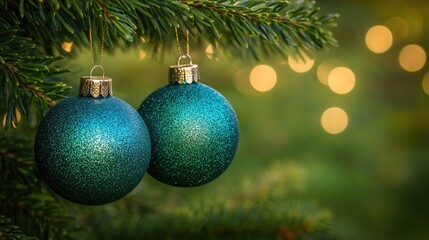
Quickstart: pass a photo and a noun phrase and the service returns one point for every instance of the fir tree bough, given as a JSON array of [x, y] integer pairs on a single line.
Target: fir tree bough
[[10, 231], [31, 36], [32, 31], [255, 208]]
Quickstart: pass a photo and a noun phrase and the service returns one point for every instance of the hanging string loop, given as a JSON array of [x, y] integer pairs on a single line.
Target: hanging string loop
[[94, 67], [91, 45], [184, 57]]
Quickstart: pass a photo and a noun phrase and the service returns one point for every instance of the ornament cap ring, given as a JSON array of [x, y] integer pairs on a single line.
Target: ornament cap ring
[[94, 67], [182, 57], [95, 86]]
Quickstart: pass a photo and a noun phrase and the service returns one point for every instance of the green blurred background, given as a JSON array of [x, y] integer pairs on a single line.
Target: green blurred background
[[374, 174]]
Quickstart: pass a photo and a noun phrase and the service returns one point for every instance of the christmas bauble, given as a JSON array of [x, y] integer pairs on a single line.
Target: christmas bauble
[[194, 131], [92, 149]]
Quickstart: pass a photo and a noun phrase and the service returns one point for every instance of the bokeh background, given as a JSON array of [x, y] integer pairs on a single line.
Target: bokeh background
[[354, 118]]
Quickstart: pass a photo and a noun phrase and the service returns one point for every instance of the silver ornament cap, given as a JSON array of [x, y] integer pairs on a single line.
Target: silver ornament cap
[[95, 86], [183, 73]]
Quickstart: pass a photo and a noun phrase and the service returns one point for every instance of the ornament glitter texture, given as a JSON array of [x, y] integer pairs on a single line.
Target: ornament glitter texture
[[94, 148], [194, 130]]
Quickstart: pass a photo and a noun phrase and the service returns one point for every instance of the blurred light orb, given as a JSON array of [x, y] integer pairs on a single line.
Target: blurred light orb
[[334, 120], [412, 58], [209, 51], [67, 46], [341, 80], [325, 68], [425, 83], [379, 39], [142, 54], [300, 65], [17, 116], [263, 78], [398, 26]]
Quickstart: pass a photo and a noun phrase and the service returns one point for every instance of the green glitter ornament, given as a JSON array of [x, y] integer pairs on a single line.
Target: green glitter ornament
[[194, 130], [94, 148]]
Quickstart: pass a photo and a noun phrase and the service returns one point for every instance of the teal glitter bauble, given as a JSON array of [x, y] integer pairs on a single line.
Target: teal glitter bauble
[[194, 133], [92, 151]]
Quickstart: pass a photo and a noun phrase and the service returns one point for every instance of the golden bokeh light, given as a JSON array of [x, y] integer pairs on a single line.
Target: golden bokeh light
[[379, 39], [142, 39], [18, 118], [242, 83], [209, 51], [325, 68], [263, 78], [142, 54], [398, 26], [300, 65], [334, 120], [67, 46], [412, 58], [425, 83], [341, 80]]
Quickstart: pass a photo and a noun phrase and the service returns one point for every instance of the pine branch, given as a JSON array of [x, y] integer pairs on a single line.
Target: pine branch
[[32, 31], [10, 231], [25, 77], [277, 27], [263, 207], [230, 25]]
